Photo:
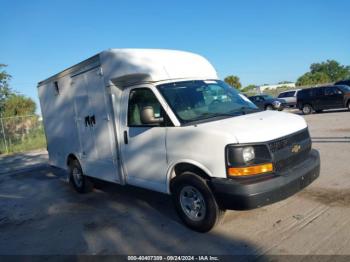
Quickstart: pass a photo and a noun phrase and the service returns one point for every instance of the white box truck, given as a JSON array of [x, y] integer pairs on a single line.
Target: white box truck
[[162, 120]]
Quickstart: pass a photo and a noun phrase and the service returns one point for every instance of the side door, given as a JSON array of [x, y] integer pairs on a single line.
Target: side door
[[95, 127], [87, 151], [339, 98], [258, 102], [143, 149], [333, 97], [317, 98], [291, 98]]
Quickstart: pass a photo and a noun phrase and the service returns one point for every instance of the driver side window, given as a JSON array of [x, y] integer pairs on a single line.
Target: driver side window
[[258, 99], [329, 91], [139, 99]]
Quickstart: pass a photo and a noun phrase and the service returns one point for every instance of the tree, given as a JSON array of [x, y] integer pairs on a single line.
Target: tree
[[248, 88], [313, 79], [325, 72], [332, 69], [18, 105], [233, 81], [5, 90], [11, 103]]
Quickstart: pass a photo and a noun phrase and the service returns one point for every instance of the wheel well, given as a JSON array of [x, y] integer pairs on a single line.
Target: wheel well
[[307, 104], [182, 167], [70, 158]]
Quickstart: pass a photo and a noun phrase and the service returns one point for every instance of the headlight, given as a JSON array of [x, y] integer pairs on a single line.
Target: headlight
[[248, 160], [248, 154], [276, 103]]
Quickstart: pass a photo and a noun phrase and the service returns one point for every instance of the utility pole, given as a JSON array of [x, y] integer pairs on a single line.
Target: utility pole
[[3, 132], [4, 136]]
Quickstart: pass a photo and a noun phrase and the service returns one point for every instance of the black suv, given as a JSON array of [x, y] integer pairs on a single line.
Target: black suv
[[343, 82], [324, 97]]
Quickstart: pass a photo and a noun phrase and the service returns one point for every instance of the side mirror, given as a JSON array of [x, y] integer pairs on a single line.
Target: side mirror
[[338, 92], [147, 116]]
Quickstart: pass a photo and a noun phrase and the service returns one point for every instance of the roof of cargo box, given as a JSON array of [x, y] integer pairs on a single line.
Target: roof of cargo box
[[129, 66], [124, 66]]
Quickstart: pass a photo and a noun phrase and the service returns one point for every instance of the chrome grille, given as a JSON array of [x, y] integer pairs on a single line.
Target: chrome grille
[[292, 160], [282, 150], [289, 140]]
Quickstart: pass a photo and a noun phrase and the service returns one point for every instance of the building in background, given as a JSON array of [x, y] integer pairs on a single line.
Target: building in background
[[288, 84]]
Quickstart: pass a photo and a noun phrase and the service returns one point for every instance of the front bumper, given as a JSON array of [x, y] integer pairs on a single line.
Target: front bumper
[[280, 107], [240, 195]]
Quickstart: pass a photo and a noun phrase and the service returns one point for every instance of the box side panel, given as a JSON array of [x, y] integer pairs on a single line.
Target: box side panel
[[56, 99]]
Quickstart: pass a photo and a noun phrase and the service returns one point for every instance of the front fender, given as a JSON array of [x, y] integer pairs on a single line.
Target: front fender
[[171, 172]]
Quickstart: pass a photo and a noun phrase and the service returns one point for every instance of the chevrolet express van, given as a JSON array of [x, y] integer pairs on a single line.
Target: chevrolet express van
[[162, 120]]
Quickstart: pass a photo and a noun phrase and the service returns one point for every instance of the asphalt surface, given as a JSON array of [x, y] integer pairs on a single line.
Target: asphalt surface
[[41, 214]]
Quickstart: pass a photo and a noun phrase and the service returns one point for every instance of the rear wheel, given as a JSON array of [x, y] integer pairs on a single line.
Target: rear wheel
[[307, 109], [78, 180], [195, 203]]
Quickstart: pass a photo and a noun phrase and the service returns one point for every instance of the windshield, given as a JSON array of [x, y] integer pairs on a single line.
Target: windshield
[[267, 97], [204, 100], [344, 88]]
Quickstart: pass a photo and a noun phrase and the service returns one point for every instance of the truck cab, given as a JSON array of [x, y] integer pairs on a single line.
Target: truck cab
[[162, 120]]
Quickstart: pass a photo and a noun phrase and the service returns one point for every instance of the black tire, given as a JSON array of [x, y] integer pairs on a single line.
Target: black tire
[[208, 216], [348, 105], [82, 185], [269, 107], [307, 109]]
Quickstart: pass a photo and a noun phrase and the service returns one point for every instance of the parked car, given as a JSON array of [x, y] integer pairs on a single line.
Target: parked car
[[343, 82], [326, 97], [162, 120], [290, 97], [267, 102]]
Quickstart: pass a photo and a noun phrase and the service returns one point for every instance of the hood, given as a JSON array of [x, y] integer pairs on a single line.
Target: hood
[[275, 99], [258, 127]]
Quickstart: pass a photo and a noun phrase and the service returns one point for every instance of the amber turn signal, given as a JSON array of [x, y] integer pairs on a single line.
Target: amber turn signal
[[250, 170]]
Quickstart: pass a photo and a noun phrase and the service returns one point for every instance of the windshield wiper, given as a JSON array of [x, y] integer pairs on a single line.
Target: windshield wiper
[[212, 115], [244, 109], [235, 112]]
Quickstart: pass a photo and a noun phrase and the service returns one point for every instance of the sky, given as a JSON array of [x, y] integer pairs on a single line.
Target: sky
[[261, 41]]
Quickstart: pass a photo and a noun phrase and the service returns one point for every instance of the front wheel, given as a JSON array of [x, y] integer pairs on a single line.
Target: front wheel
[[269, 107], [195, 203], [307, 109]]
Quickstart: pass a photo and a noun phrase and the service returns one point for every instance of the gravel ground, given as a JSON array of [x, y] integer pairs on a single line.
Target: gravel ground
[[41, 214]]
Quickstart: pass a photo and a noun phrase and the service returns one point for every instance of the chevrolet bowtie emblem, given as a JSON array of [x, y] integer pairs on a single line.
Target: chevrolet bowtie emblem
[[296, 148]]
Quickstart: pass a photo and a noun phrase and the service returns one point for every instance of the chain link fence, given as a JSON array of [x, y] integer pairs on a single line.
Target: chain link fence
[[21, 133]]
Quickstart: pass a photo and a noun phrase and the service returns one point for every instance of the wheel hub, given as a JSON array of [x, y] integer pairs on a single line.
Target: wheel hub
[[192, 203], [77, 176]]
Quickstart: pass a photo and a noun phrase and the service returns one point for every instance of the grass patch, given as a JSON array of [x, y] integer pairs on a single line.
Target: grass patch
[[35, 139]]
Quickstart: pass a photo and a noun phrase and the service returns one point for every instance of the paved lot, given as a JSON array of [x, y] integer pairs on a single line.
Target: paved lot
[[41, 214]]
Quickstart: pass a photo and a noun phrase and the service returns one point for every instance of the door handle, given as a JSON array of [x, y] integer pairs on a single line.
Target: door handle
[[92, 120], [125, 137], [87, 121]]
